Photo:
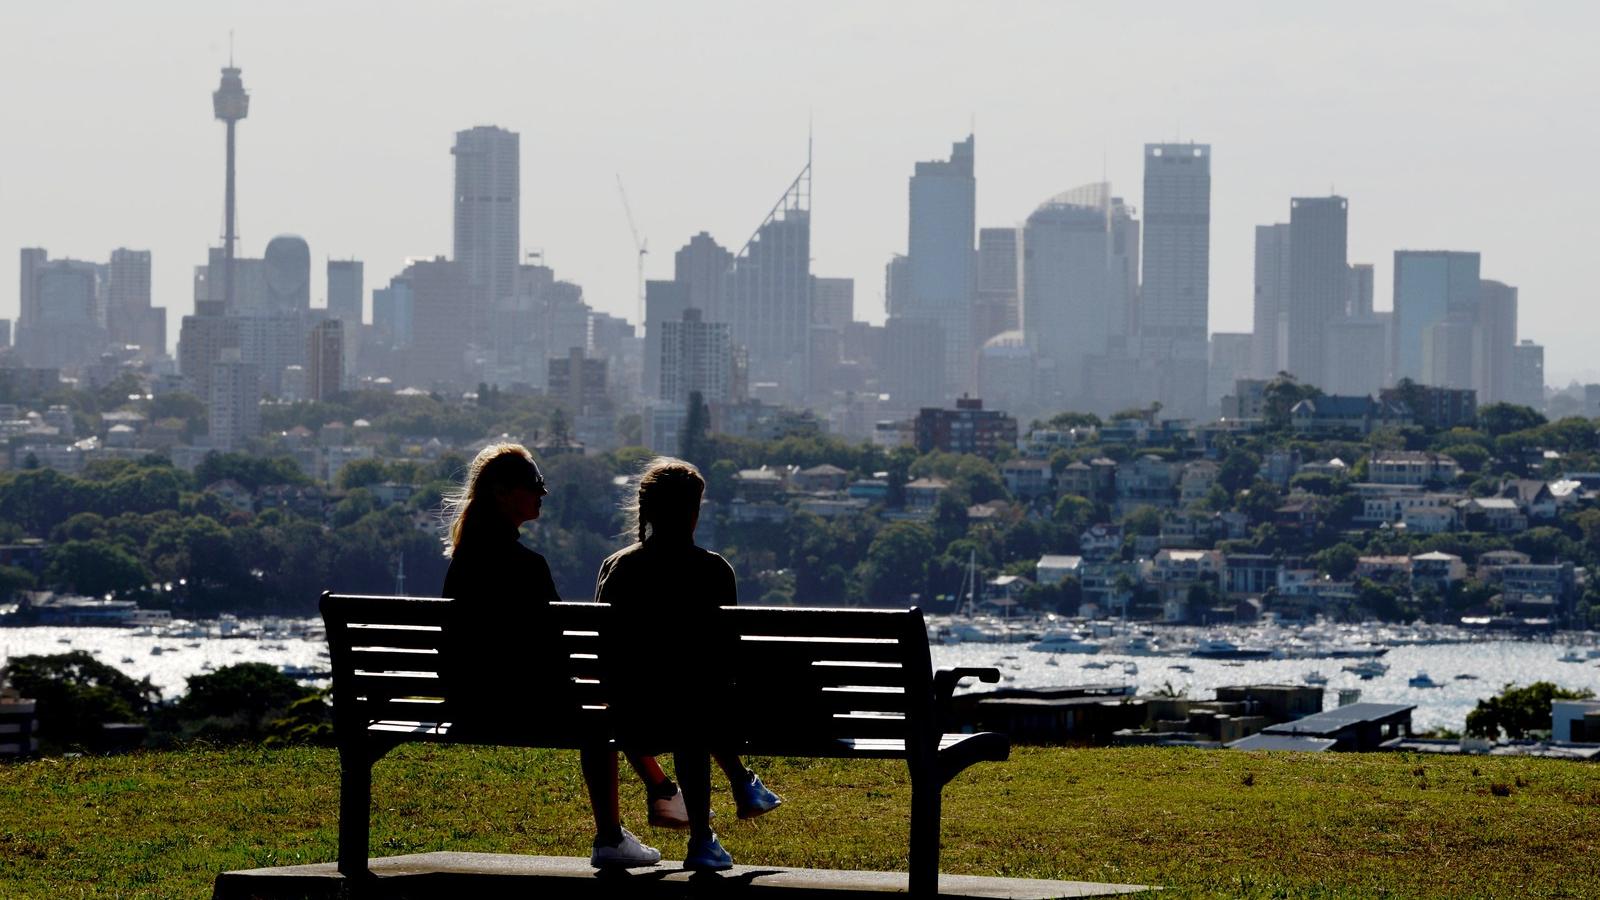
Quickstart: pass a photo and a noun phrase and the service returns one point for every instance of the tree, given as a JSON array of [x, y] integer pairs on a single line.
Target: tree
[[1280, 396], [363, 473], [237, 702], [1238, 470], [695, 428], [897, 562], [94, 568], [1504, 418], [1338, 561], [77, 694], [1518, 710]]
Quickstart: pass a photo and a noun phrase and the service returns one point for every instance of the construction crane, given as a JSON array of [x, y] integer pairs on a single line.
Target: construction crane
[[641, 245]]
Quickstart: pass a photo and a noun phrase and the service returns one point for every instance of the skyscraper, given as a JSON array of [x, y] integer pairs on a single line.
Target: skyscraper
[[488, 216], [1527, 374], [439, 332], [1270, 320], [768, 293], [1361, 284], [1071, 281], [943, 221], [833, 302], [696, 356], [1429, 287], [1496, 341], [234, 407], [325, 360], [62, 321], [1175, 297], [1319, 272], [997, 282], [345, 291]]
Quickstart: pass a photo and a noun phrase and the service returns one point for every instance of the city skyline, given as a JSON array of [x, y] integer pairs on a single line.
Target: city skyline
[[383, 194]]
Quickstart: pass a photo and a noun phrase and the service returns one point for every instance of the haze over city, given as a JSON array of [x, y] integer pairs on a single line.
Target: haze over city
[[1446, 126]]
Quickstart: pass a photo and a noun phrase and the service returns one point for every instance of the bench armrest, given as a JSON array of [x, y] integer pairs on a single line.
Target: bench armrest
[[945, 680]]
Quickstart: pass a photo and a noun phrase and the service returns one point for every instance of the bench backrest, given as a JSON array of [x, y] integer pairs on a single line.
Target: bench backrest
[[805, 679]]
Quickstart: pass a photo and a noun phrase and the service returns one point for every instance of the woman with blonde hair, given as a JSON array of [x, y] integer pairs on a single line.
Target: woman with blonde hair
[[500, 590], [666, 591]]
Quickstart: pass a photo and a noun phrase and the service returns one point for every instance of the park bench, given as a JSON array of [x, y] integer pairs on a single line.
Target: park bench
[[840, 683]]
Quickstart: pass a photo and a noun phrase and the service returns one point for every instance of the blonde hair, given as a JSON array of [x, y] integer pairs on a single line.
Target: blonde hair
[[497, 467], [666, 498]]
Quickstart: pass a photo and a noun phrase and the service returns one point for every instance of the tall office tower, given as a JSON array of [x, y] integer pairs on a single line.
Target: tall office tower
[[701, 266], [287, 267], [1527, 374], [578, 381], [696, 355], [768, 294], [997, 284], [345, 291], [907, 346], [833, 302], [664, 301], [1318, 276], [1174, 302], [1072, 286], [391, 313], [897, 285], [488, 216], [5, 334], [1232, 358], [130, 319], [1359, 303], [1495, 340], [1447, 353], [325, 360], [229, 103], [1429, 287], [345, 296], [1356, 351], [62, 321], [234, 407], [1270, 321], [943, 221], [440, 328]]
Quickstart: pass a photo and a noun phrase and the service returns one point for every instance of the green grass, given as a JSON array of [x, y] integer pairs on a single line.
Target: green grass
[[1201, 823]]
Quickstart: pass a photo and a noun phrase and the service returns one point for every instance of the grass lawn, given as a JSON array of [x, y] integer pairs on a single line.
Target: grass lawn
[[1200, 823]]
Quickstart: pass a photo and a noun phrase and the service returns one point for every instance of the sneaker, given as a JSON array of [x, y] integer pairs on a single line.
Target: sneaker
[[628, 853], [669, 811], [754, 799], [707, 856]]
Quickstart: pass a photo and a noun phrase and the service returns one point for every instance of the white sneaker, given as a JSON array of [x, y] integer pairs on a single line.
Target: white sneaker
[[629, 853]]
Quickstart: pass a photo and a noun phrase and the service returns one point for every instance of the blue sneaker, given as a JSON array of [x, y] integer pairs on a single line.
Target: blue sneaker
[[707, 856], [754, 799]]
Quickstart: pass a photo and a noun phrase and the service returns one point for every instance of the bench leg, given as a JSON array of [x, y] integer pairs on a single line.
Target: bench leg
[[355, 803], [925, 811]]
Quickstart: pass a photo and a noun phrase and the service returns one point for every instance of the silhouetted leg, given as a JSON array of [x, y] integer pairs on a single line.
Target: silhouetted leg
[[693, 767], [600, 776]]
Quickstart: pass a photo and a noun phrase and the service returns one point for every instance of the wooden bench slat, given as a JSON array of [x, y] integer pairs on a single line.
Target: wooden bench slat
[[395, 684], [381, 637], [398, 610], [806, 622], [389, 660], [772, 651]]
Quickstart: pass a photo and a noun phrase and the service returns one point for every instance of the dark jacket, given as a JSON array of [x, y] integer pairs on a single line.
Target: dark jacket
[[499, 633], [666, 662]]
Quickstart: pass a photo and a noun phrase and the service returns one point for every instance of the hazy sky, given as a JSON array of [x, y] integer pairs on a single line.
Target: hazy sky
[[1449, 125]]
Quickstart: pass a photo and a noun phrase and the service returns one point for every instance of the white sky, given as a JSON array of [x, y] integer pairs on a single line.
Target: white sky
[[1449, 125]]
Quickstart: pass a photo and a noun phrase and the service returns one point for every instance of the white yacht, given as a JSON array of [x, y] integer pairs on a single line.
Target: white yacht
[[1062, 641], [1315, 677], [1368, 668]]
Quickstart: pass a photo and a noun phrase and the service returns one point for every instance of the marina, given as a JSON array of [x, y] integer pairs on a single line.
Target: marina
[[1464, 667]]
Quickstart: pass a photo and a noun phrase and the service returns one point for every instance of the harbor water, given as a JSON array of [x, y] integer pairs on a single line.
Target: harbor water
[[1487, 664]]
